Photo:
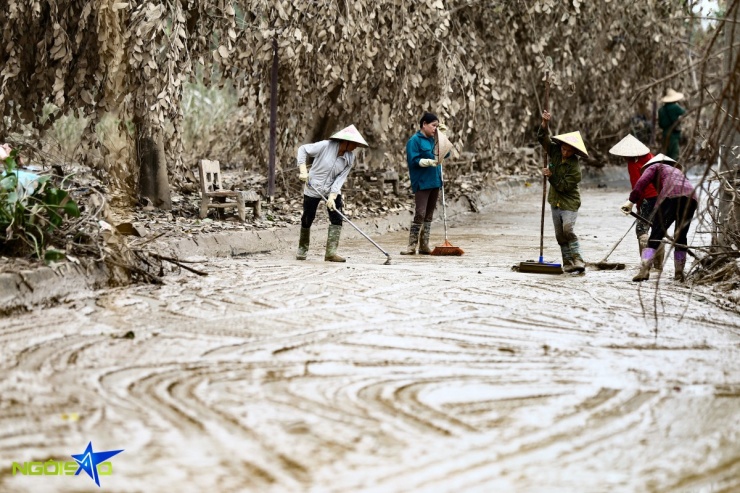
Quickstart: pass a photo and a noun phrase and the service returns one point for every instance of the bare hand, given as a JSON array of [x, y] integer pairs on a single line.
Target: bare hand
[[545, 117], [546, 172]]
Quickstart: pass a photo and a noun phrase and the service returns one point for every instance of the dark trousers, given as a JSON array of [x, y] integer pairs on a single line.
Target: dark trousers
[[310, 204], [426, 201], [679, 210], [647, 210]]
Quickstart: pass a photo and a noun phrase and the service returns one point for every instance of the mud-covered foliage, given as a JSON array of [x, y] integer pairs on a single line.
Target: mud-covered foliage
[[375, 64]]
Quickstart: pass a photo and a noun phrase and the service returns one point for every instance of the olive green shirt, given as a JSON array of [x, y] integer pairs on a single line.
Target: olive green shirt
[[565, 180]]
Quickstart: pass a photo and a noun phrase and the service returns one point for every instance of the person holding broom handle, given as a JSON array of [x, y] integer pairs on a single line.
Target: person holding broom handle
[[333, 160], [564, 175], [426, 180]]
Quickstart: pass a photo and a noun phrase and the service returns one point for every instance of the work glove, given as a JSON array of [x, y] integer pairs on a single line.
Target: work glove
[[331, 203], [426, 163], [442, 127], [303, 175], [627, 207]]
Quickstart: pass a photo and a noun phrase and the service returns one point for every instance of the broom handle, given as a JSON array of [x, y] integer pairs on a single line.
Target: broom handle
[[444, 206], [544, 178]]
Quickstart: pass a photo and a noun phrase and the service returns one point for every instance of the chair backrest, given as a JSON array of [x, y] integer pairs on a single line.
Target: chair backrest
[[210, 175]]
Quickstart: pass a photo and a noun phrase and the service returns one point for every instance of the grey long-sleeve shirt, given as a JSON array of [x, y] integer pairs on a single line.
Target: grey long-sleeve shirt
[[328, 171]]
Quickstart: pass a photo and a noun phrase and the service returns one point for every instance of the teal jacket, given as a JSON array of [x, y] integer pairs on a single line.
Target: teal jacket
[[565, 180], [421, 147]]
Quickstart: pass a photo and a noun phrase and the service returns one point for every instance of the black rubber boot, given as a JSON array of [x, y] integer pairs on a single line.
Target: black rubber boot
[[303, 243], [413, 239]]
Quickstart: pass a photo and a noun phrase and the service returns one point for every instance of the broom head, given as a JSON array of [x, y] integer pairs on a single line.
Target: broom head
[[447, 249], [539, 267]]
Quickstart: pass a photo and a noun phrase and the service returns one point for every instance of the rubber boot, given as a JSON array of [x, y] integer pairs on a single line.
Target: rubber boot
[[647, 260], [679, 261], [578, 264], [413, 239], [567, 257], [303, 243], [426, 231], [332, 243], [659, 258], [642, 242]]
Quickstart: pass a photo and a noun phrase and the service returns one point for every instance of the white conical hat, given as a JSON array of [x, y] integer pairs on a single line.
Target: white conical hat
[[574, 140], [350, 134], [442, 146], [629, 146], [660, 158], [672, 96]]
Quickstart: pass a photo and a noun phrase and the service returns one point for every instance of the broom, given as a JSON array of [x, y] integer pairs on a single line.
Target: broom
[[542, 267], [446, 248]]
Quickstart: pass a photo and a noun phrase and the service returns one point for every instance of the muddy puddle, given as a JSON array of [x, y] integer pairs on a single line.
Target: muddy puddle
[[429, 374]]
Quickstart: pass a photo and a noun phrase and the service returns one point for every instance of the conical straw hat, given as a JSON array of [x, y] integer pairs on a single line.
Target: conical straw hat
[[574, 140], [672, 96], [350, 134], [660, 158], [442, 146], [629, 146]]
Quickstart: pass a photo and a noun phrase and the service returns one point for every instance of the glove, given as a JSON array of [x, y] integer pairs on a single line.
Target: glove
[[331, 202], [442, 127], [426, 163], [303, 175], [627, 207]]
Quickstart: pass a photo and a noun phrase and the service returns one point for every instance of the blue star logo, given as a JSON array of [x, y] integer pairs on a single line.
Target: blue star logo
[[89, 460]]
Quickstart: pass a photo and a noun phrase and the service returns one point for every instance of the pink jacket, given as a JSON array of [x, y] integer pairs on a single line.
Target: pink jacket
[[667, 180]]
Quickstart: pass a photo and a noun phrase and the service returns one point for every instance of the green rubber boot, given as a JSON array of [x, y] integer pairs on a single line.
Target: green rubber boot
[[332, 243], [303, 243]]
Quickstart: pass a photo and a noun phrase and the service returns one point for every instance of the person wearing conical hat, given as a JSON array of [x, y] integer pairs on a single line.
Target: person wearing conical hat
[[564, 175], [426, 180], [676, 203], [669, 117], [333, 160], [636, 154]]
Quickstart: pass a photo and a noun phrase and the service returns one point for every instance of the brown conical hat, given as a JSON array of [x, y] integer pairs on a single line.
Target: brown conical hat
[[442, 146], [350, 134], [672, 96], [660, 158], [629, 146], [574, 140]]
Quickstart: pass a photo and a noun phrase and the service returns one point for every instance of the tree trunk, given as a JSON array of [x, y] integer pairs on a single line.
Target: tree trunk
[[153, 183]]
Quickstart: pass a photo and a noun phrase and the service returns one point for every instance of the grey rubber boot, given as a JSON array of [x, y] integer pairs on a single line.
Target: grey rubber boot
[[413, 239], [645, 264], [578, 264], [659, 258], [426, 231], [642, 241], [332, 243], [567, 257], [303, 243]]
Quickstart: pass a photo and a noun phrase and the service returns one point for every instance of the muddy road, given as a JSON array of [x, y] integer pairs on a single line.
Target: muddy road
[[431, 374]]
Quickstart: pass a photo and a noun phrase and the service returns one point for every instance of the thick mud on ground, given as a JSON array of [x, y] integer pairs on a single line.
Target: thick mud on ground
[[431, 374]]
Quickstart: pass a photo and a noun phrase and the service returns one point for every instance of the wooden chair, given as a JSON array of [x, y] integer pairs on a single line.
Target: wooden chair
[[214, 196]]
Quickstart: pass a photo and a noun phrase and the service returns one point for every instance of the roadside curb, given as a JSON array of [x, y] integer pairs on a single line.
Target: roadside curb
[[26, 289]]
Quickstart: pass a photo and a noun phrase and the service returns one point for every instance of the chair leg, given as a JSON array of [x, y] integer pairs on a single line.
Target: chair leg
[[204, 207], [240, 207]]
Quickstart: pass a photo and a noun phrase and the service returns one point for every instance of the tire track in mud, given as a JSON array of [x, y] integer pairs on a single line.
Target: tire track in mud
[[438, 374]]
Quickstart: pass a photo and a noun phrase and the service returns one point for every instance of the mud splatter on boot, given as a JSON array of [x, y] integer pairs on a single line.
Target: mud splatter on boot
[[647, 260], [414, 230], [303, 244]]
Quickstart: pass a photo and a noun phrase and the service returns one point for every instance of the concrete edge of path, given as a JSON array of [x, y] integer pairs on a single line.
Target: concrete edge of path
[[43, 286], [26, 289]]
